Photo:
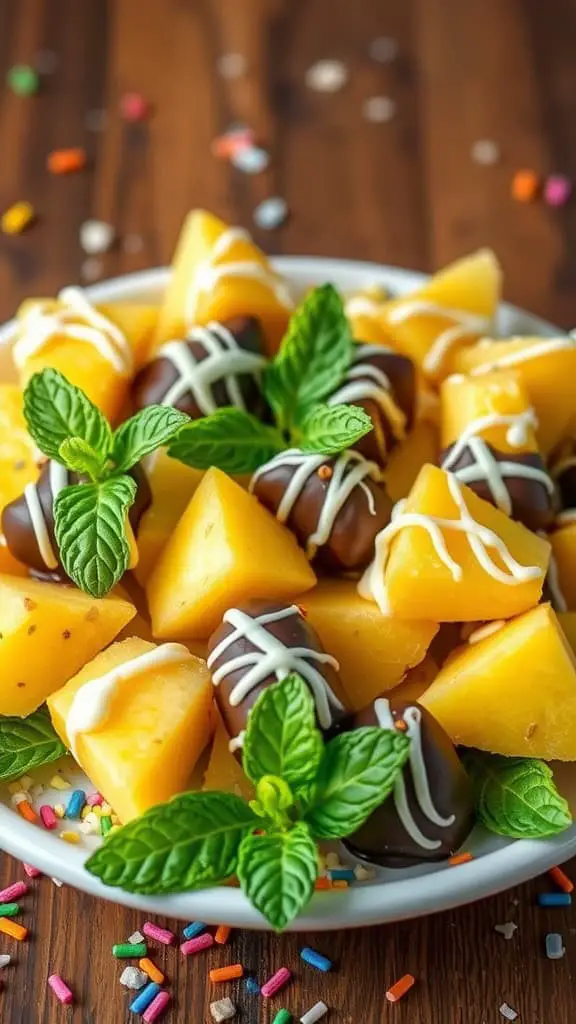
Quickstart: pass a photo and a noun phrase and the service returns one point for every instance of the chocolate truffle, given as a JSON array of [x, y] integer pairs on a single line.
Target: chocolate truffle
[[335, 505], [217, 365], [261, 644], [383, 383], [431, 809], [28, 521], [518, 484]]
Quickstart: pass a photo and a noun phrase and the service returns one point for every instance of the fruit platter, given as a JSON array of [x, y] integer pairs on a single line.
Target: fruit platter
[[287, 587]]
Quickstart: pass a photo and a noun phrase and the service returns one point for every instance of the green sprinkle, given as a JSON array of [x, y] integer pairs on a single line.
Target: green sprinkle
[[129, 950], [283, 1017], [9, 909], [105, 824], [23, 80]]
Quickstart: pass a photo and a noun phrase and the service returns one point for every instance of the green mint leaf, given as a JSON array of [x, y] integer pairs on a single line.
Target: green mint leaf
[[143, 433], [313, 357], [356, 774], [230, 439], [27, 743], [55, 410], [517, 797], [281, 735], [278, 871], [80, 457], [188, 843], [329, 429], [90, 527]]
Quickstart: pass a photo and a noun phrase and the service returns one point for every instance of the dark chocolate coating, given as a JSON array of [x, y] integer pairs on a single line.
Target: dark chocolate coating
[[382, 839], [401, 373], [292, 631], [19, 532], [566, 484], [532, 504], [154, 381], [350, 545]]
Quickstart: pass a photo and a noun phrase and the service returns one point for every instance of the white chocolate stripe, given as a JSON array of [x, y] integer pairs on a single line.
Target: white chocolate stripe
[[542, 348], [39, 526], [466, 325], [491, 471]]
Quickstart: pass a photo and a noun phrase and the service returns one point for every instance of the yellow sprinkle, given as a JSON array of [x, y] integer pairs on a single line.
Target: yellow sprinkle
[[17, 218], [115, 819], [26, 782], [105, 809], [59, 810], [86, 810], [15, 787], [70, 837], [59, 782], [115, 828]]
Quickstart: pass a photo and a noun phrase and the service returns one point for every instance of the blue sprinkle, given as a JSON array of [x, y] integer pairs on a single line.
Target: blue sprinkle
[[252, 986], [310, 956], [76, 804], [554, 946], [342, 874], [193, 929], [146, 996], [554, 899]]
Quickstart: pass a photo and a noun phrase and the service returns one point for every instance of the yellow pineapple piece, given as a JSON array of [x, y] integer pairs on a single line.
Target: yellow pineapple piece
[[172, 485], [406, 460], [224, 771], [495, 404]]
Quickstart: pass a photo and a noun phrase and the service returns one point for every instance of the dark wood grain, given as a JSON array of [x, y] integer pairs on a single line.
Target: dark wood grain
[[405, 192]]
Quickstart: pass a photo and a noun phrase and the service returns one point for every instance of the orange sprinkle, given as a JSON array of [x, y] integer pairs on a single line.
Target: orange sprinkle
[[400, 989], [325, 472], [460, 858], [17, 931], [340, 883], [525, 185], [323, 883], [226, 973], [400, 725], [153, 972], [222, 935], [26, 810], [561, 879], [227, 145], [66, 161]]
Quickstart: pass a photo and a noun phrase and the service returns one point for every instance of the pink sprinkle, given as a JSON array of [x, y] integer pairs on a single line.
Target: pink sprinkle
[[196, 945], [49, 819], [13, 892], [557, 190], [60, 989], [134, 107], [276, 982], [31, 871], [157, 1007], [94, 799], [152, 931]]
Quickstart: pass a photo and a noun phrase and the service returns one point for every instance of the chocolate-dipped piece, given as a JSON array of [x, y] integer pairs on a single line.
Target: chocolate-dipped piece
[[383, 383], [563, 472], [28, 521], [551, 591], [334, 504], [215, 366], [518, 484], [260, 644], [431, 809]]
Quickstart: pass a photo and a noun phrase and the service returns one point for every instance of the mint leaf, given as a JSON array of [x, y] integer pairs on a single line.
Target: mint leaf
[[90, 527], [229, 438], [278, 872], [27, 743], [281, 735], [329, 429], [80, 457], [313, 357], [55, 410], [149, 429], [517, 797], [356, 774], [188, 843]]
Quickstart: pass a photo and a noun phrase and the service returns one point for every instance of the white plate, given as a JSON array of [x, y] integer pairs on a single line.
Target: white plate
[[393, 895]]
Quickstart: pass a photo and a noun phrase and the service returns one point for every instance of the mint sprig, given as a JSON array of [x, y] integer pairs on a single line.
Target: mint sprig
[[329, 429], [516, 797], [143, 433], [27, 743], [201, 839], [56, 410], [229, 438]]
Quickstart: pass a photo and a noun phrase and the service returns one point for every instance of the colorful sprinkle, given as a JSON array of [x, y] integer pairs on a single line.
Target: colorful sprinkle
[[129, 950], [47, 816], [31, 871], [153, 972], [250, 159], [193, 929], [222, 1009], [218, 974], [13, 892], [197, 945], [525, 186], [557, 190], [94, 799], [5, 959], [485, 152], [363, 874], [231, 65], [133, 243], [233, 141], [379, 109], [342, 874], [60, 989], [26, 811], [133, 978], [134, 107], [59, 782], [70, 837], [222, 934], [16, 931], [340, 883], [157, 1007], [252, 986], [508, 1012], [554, 946], [136, 937], [276, 982], [59, 810], [96, 236], [561, 879], [315, 1013], [327, 76], [105, 824], [17, 218], [283, 1017], [76, 804], [323, 883], [9, 909], [400, 988], [554, 899], [66, 161], [460, 858], [163, 935], [23, 80], [314, 959], [507, 929], [271, 213], [146, 996]]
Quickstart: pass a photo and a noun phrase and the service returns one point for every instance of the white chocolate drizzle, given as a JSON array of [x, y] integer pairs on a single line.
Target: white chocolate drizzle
[[271, 657], [58, 478], [485, 630], [90, 706], [349, 471], [75, 318], [362, 305], [480, 538], [364, 381], [566, 517], [542, 348], [224, 361], [413, 718], [465, 325], [211, 272]]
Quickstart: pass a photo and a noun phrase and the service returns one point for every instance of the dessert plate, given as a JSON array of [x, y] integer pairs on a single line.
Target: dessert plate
[[391, 895]]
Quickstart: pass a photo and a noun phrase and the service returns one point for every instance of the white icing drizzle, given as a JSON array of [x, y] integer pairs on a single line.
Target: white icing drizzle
[[480, 538], [58, 478], [413, 719], [75, 318], [566, 517], [271, 657], [362, 305], [211, 272], [466, 324], [542, 348], [224, 361], [91, 703], [349, 471], [518, 425], [364, 381], [486, 630]]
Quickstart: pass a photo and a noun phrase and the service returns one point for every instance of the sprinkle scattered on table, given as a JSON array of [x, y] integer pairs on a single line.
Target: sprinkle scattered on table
[[157, 1007], [400, 988], [314, 1014], [23, 80], [17, 218], [129, 950], [252, 986], [133, 243], [561, 878], [554, 899], [66, 161], [271, 213], [91, 270], [384, 49], [315, 959], [222, 934], [96, 236], [193, 929], [507, 929], [232, 65], [136, 937], [379, 109], [508, 1012], [283, 1017], [557, 190], [250, 159], [197, 945], [134, 107], [277, 982], [60, 989], [554, 944], [145, 997], [157, 934], [327, 76], [222, 1009], [525, 186], [485, 152], [230, 973], [133, 978]]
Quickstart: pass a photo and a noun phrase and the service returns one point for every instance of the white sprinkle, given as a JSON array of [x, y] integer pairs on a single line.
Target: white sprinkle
[[379, 109], [315, 1013], [232, 65], [222, 1009], [485, 152], [37, 789], [133, 977], [250, 160], [133, 243], [271, 213], [18, 798], [5, 959], [554, 946], [327, 76], [91, 269], [507, 929], [57, 882], [26, 783], [384, 49], [332, 860], [96, 236], [46, 62], [508, 1012], [96, 120], [363, 874], [136, 938], [88, 828]]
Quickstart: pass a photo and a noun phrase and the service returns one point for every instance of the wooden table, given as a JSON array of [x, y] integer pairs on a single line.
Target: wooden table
[[405, 192]]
